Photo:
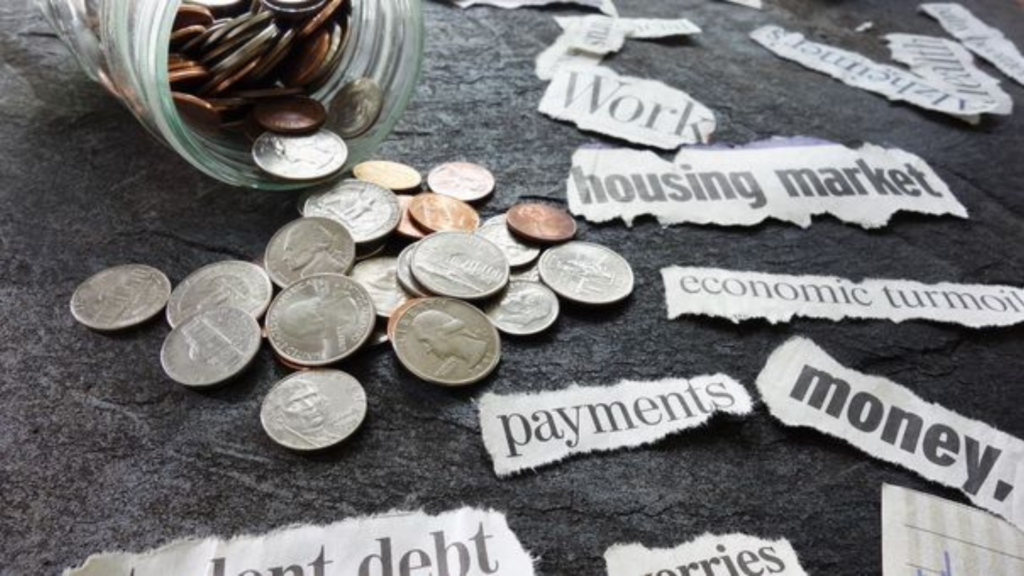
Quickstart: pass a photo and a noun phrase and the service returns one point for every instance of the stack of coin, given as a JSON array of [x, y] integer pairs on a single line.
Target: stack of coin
[[364, 265]]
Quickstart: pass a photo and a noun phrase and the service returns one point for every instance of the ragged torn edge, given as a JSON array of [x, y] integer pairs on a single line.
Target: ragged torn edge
[[598, 168], [512, 455], [632, 559], [99, 564], [605, 6], [985, 41], [803, 386], [835, 298], [755, 4]]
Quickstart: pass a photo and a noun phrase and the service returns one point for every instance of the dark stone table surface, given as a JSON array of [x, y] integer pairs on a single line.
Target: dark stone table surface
[[99, 450]]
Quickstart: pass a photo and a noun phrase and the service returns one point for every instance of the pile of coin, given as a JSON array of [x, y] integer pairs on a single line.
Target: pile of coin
[[440, 293]]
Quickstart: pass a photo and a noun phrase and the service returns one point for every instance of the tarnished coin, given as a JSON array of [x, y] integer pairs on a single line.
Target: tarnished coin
[[460, 265], [211, 347], [586, 273], [541, 222], [517, 253], [406, 279], [120, 297], [524, 308], [380, 278], [293, 8], [369, 212], [357, 106], [392, 175], [291, 115], [438, 213], [406, 227], [447, 342], [462, 180], [313, 410], [233, 283], [306, 247], [311, 157], [320, 320]]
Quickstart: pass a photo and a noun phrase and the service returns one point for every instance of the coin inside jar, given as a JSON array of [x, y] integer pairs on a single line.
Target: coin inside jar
[[310, 157], [358, 105], [211, 347], [439, 213], [586, 273], [541, 222], [391, 175], [313, 410], [306, 247], [460, 265], [120, 297], [291, 115], [461, 180]]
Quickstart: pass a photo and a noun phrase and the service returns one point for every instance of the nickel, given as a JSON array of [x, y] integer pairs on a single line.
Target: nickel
[[306, 247], [459, 265], [120, 297], [211, 347], [379, 276], [233, 283], [586, 273], [313, 410]]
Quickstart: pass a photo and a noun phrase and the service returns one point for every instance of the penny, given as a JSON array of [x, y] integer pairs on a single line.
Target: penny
[[321, 17], [233, 283], [438, 213], [357, 106], [518, 254], [586, 273], [120, 297], [196, 110], [211, 347], [184, 78], [306, 247], [272, 92], [406, 227], [462, 180], [312, 157], [177, 62], [307, 59], [392, 175], [320, 320], [292, 115], [459, 265], [379, 276], [541, 223], [192, 15], [406, 279], [185, 35], [524, 308], [330, 62], [313, 410], [396, 314], [447, 342], [269, 64], [227, 79], [370, 213]]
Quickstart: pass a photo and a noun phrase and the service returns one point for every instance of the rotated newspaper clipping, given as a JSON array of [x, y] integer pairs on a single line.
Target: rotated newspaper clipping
[[803, 386], [979, 37], [524, 431], [790, 179], [605, 6], [709, 555], [460, 542]]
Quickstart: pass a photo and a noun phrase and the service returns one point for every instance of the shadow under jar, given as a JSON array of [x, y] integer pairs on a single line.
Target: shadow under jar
[[126, 45]]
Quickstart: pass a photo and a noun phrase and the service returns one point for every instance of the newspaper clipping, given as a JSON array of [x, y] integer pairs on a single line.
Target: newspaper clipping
[[710, 555]]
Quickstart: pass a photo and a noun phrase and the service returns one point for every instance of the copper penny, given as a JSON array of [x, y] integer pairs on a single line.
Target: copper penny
[[292, 115], [541, 222], [321, 17], [177, 62], [438, 213], [192, 15], [391, 175], [407, 227], [304, 65], [272, 92], [397, 313], [186, 35], [218, 84], [187, 77], [195, 110]]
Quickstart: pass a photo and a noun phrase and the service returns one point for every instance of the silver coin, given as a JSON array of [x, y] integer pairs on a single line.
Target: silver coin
[[463, 180], [516, 252], [528, 273], [120, 297], [291, 8], [357, 106], [306, 247], [320, 320], [211, 347], [379, 336], [310, 157], [447, 342], [231, 283], [370, 212], [313, 409], [406, 280], [380, 278], [524, 308], [460, 265], [586, 273]]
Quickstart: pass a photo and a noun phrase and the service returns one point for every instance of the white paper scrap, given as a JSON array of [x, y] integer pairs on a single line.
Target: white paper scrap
[[561, 55], [635, 28], [737, 296], [465, 541], [944, 61], [790, 179], [980, 38], [643, 111], [524, 431], [924, 535], [605, 6], [710, 554], [803, 386], [864, 27], [748, 3], [855, 70]]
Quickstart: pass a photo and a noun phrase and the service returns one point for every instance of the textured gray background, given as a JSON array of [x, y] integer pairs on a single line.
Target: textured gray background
[[99, 450]]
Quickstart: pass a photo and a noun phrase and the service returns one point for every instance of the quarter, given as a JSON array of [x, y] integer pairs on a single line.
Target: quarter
[[447, 342], [311, 157], [370, 213]]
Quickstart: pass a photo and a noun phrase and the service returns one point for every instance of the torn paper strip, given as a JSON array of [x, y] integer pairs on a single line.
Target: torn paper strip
[[733, 553], [524, 431], [757, 4], [944, 538], [466, 541], [979, 38], [596, 35], [738, 296], [642, 111], [790, 179], [855, 70], [561, 55], [947, 62], [804, 386], [605, 6]]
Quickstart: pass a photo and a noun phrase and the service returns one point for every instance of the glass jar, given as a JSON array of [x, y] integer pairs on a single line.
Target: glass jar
[[124, 45]]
